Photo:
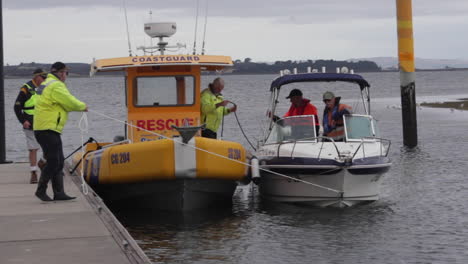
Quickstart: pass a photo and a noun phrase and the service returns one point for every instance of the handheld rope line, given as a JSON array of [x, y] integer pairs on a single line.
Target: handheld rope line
[[214, 154], [222, 125], [242, 130]]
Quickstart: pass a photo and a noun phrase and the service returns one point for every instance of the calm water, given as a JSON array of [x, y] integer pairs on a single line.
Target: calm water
[[422, 216]]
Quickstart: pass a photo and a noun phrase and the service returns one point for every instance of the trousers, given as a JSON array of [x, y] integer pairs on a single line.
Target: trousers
[[51, 144], [208, 133]]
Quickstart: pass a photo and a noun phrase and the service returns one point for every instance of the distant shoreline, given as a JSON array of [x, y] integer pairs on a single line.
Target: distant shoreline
[[460, 104], [75, 75]]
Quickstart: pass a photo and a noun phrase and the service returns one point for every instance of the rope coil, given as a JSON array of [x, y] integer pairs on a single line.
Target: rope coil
[[83, 125]]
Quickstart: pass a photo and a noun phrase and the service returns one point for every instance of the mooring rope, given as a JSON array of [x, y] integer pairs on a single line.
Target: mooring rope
[[83, 125], [209, 152]]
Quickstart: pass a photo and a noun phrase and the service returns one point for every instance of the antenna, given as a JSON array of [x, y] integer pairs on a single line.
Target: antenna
[[151, 39], [196, 25], [204, 30], [128, 33]]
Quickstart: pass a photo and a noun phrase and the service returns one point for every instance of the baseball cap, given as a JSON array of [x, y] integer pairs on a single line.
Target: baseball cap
[[58, 66], [294, 92], [40, 72], [328, 95]]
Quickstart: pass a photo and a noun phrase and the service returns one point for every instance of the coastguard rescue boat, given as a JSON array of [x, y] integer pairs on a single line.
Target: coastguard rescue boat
[[162, 162]]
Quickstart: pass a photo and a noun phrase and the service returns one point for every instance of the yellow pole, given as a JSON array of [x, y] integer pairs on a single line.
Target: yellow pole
[[407, 75]]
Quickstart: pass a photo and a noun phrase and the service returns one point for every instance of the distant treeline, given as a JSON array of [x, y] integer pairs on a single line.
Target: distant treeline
[[26, 69], [247, 66]]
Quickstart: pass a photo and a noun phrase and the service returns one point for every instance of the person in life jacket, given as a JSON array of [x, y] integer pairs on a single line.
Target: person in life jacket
[[213, 108], [333, 113], [24, 110], [53, 103], [301, 106]]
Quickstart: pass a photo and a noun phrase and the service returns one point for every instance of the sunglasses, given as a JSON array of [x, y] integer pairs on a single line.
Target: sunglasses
[[326, 100]]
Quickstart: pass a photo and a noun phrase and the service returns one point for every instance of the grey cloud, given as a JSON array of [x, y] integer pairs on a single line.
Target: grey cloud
[[312, 9]]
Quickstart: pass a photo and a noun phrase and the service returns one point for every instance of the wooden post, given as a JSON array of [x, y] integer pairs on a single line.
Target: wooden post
[[407, 75]]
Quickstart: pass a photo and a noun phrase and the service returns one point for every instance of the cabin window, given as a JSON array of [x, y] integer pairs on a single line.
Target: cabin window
[[165, 91]]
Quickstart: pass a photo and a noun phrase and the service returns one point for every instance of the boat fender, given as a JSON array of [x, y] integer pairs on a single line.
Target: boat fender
[[255, 170]]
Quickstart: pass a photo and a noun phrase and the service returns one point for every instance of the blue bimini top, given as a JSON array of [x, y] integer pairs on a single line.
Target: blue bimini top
[[319, 77]]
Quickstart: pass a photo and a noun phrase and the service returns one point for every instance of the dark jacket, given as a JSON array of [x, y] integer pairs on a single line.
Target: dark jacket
[[23, 96]]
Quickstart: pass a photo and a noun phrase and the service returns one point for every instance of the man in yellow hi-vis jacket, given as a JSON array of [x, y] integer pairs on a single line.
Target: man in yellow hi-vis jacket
[[53, 103], [213, 108]]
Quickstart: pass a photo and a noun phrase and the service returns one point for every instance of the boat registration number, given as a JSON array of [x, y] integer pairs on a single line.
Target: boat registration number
[[234, 153], [119, 158]]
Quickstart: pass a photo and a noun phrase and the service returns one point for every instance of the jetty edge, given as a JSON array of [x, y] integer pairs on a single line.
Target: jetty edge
[[79, 231]]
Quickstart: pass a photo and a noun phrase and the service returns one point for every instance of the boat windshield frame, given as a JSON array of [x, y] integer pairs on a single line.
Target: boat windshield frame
[[280, 125], [374, 133]]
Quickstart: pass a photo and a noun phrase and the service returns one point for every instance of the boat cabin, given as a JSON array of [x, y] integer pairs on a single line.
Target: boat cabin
[[162, 91]]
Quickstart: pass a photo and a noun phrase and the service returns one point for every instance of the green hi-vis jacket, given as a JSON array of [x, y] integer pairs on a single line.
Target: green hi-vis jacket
[[28, 107], [53, 102], [210, 115]]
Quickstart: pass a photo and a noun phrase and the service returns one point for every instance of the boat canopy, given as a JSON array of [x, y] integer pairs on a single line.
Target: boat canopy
[[209, 62], [319, 77]]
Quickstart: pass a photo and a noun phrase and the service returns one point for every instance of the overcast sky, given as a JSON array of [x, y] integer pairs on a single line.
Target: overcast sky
[[264, 30]]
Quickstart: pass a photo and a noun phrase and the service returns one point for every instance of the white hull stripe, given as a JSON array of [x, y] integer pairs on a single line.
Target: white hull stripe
[[185, 161]]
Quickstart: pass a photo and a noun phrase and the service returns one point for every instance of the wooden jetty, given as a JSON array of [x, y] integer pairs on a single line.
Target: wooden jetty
[[77, 231]]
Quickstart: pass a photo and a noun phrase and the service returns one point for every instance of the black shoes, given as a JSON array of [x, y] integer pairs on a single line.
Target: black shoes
[[60, 197], [63, 197], [33, 177], [43, 197]]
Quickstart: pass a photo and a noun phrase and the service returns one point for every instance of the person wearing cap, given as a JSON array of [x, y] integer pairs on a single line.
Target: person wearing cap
[[213, 108], [51, 114], [302, 106], [24, 110], [333, 113]]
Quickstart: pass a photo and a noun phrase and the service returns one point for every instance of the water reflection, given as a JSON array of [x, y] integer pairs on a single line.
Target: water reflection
[[170, 237]]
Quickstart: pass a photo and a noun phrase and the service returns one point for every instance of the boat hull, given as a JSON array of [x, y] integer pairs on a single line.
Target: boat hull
[[322, 182], [165, 174], [171, 195], [339, 189]]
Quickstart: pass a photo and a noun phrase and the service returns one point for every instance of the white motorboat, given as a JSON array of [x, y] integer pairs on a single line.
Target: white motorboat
[[298, 166]]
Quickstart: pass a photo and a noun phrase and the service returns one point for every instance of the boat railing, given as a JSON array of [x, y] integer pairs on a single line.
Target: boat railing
[[343, 154], [318, 140], [374, 140]]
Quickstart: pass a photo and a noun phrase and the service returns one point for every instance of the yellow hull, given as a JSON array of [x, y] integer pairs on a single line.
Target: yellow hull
[[201, 158]]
